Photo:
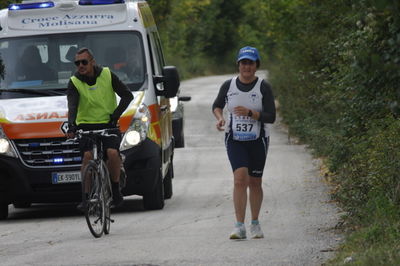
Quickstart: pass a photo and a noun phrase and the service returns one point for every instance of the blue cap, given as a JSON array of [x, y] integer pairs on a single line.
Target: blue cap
[[248, 52]]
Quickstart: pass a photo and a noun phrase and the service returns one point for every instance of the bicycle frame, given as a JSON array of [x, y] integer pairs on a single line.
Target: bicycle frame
[[98, 165]]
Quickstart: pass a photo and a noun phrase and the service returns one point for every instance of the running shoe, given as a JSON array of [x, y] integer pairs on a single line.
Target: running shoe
[[255, 231], [239, 232]]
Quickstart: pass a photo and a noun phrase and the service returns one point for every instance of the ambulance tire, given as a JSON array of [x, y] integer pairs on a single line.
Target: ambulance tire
[[168, 182], [3, 211], [155, 199]]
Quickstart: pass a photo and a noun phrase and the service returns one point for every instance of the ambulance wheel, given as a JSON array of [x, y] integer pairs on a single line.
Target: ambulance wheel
[[3, 211], [155, 200]]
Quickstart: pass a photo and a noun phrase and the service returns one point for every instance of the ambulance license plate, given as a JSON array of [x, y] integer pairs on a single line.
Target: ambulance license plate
[[66, 177]]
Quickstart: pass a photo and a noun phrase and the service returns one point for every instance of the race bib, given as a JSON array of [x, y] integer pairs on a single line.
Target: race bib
[[245, 128]]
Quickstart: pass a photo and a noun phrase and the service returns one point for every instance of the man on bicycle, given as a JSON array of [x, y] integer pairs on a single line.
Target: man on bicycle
[[92, 105]]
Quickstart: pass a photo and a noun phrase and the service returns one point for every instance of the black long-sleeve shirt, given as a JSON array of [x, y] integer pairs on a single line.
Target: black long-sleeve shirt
[[118, 86], [268, 113]]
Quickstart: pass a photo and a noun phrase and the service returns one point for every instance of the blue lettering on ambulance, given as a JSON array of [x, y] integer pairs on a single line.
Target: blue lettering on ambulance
[[68, 19], [37, 20], [66, 23]]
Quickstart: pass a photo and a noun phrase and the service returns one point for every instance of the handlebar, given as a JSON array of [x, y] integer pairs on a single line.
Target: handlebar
[[99, 132]]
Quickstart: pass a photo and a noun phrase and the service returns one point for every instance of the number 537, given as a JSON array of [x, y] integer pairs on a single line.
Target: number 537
[[244, 127]]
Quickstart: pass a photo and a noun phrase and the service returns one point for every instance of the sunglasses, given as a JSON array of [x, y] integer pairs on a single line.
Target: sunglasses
[[83, 62]]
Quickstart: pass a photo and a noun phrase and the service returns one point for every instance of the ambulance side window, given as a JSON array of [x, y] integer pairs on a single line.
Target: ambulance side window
[[151, 55], [157, 58], [160, 56]]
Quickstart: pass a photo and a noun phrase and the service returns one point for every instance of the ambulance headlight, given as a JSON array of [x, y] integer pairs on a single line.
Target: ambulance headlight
[[132, 138], [5, 146], [137, 131]]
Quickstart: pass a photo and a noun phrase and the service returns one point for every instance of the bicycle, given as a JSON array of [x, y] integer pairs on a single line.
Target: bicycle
[[96, 185]]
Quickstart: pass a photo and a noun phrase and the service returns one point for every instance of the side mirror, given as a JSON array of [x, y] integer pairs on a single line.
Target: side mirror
[[170, 79]]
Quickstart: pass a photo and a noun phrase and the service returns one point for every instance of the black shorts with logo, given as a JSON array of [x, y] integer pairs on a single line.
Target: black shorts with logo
[[109, 142], [250, 154]]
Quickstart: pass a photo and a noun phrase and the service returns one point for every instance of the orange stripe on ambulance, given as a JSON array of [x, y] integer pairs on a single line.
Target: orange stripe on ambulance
[[41, 116]]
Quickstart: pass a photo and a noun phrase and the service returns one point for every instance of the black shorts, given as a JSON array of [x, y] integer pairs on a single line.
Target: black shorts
[[250, 154], [110, 142]]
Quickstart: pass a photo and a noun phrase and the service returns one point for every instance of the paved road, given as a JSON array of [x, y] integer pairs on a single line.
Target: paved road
[[194, 226]]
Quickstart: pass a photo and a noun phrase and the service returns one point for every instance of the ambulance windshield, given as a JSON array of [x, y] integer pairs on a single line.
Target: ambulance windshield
[[46, 62]]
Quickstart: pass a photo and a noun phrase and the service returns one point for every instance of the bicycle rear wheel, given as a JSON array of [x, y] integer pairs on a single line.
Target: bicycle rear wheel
[[107, 197], [95, 204]]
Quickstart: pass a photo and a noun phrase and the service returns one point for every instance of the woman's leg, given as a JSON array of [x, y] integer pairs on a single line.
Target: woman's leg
[[258, 151], [241, 182], [256, 196]]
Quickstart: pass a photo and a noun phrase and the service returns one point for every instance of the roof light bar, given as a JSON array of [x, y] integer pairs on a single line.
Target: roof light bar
[[38, 5], [100, 2]]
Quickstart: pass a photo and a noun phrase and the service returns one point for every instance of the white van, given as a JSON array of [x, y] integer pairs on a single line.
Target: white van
[[38, 42]]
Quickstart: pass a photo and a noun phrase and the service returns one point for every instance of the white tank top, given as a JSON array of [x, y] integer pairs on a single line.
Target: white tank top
[[244, 128]]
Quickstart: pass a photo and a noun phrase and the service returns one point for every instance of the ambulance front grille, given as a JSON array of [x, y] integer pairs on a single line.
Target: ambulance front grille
[[49, 152]]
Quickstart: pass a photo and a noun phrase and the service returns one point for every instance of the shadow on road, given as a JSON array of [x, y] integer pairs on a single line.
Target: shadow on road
[[59, 210]]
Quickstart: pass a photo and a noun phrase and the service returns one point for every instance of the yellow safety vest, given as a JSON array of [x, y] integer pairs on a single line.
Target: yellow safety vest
[[96, 102]]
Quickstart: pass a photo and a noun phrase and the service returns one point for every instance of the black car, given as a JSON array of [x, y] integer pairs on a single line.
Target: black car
[[177, 109]]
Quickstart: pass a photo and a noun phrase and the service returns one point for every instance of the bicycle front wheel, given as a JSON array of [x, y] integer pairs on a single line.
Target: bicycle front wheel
[[95, 205], [107, 196]]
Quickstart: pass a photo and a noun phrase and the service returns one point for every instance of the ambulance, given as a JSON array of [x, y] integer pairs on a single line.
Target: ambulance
[[38, 42]]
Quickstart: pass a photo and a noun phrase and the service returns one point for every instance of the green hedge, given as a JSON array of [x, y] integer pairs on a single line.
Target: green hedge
[[339, 87]]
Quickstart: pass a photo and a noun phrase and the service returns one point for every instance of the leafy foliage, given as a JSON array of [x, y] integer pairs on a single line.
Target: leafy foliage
[[339, 87]]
